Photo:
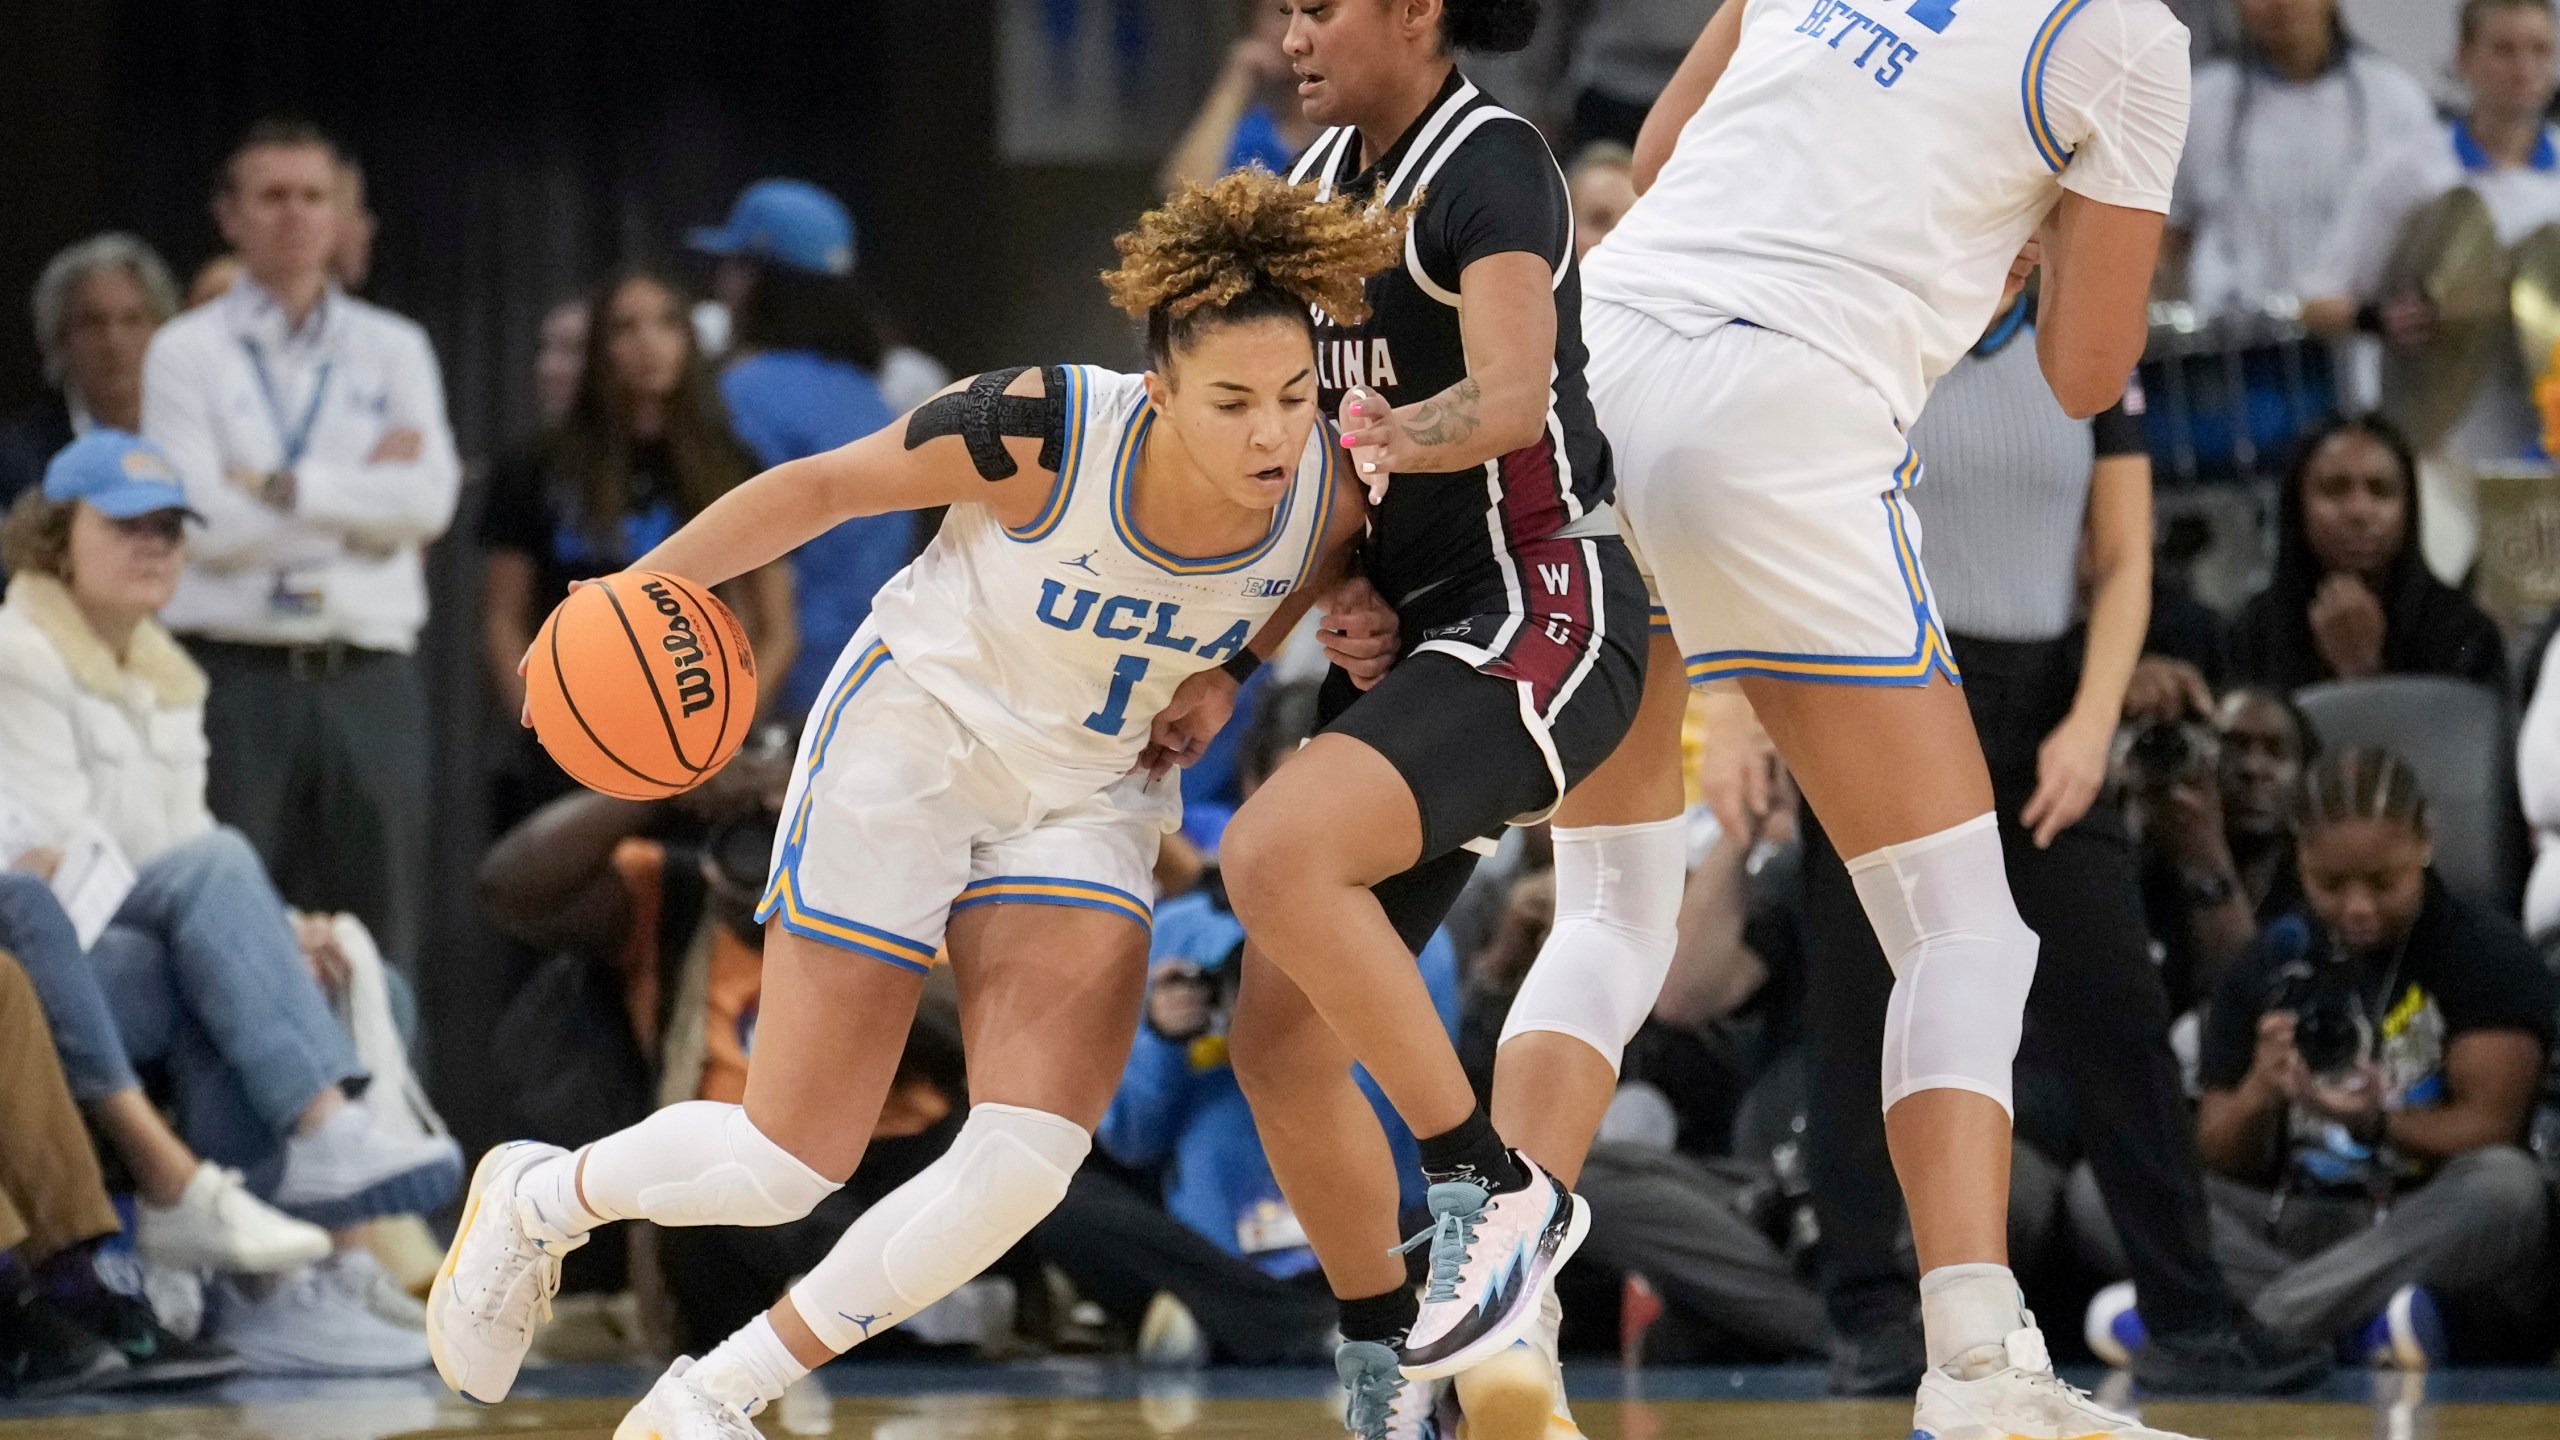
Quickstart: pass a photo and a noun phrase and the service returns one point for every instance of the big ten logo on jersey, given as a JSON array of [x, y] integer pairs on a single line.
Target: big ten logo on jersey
[[1341, 364], [1135, 619], [1886, 53]]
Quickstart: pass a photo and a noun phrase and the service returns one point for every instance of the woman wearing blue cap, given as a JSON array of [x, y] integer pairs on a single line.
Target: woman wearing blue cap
[[808, 371]]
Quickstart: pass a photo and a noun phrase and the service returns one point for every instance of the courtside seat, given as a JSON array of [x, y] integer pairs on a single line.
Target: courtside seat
[[2460, 738]]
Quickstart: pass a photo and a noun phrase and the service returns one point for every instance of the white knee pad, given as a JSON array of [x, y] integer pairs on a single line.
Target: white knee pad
[[1005, 1172], [1962, 960], [1617, 921], [733, 1173]]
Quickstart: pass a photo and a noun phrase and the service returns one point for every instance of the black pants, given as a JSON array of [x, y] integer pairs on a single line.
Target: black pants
[[324, 759], [2096, 1048], [1121, 1247]]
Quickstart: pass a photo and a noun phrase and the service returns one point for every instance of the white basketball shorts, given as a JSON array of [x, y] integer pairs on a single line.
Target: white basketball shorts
[[1761, 485], [899, 815]]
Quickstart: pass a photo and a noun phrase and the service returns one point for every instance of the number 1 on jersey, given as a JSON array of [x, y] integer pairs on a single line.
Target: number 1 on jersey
[[1936, 14], [1125, 675]]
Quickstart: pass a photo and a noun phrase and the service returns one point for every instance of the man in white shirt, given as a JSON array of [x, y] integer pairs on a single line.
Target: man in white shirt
[[309, 429]]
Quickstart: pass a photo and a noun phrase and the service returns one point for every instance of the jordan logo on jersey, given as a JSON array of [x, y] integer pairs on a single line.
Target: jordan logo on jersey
[[1083, 562], [1126, 617], [1341, 364]]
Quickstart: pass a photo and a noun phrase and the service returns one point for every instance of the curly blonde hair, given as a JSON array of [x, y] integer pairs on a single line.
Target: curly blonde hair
[[1249, 246]]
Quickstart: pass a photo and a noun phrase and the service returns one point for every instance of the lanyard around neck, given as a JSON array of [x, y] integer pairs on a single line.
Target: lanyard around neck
[[295, 439]]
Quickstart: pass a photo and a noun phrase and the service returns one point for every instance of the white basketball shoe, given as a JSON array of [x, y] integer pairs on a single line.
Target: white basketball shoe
[[1492, 1256], [2020, 1399], [498, 1279]]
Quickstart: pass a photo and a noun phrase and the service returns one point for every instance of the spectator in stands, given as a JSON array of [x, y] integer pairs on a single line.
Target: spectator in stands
[[102, 742], [2505, 152], [645, 447], [213, 280], [309, 429], [810, 370], [1251, 116], [63, 1327], [2215, 814], [2352, 596], [96, 306], [351, 260], [2368, 1069], [559, 362], [2276, 134], [1603, 185]]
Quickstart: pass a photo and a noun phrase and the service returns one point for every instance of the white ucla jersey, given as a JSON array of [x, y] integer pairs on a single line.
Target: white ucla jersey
[[1864, 173], [1059, 642]]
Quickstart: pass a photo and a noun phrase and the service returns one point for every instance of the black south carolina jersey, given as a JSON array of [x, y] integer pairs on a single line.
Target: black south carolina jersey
[[1488, 186]]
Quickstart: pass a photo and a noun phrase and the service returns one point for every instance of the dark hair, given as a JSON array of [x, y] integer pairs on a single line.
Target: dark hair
[[276, 132], [2363, 783], [1250, 246], [788, 308], [1492, 27], [2298, 573], [2306, 740], [36, 538], [590, 453], [2475, 13], [1283, 717]]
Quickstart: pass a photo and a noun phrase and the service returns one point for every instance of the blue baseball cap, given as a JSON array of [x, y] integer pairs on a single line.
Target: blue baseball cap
[[120, 475], [790, 222]]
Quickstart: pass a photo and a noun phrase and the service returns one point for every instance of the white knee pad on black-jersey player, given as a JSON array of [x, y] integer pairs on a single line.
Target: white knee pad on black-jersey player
[[699, 1163], [1962, 960], [1005, 1172], [1617, 922]]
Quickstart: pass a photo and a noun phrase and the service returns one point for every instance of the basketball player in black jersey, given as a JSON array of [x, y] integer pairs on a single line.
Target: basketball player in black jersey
[[1524, 631]]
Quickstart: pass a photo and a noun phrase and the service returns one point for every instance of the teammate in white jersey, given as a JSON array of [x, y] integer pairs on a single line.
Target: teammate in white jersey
[[1849, 190], [969, 787]]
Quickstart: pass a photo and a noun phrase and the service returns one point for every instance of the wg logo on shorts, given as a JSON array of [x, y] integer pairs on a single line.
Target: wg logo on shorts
[[1257, 587]]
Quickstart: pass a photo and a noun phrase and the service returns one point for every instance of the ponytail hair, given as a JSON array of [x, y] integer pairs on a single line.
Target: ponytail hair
[[2365, 783], [1250, 246]]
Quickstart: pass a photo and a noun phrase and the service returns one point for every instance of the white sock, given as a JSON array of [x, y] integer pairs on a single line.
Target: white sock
[[749, 1370], [1967, 1307], [552, 1186]]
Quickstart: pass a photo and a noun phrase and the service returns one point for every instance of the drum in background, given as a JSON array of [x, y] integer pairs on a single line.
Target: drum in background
[[2230, 397]]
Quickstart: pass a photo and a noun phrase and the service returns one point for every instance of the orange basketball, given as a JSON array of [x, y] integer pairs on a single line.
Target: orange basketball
[[641, 685]]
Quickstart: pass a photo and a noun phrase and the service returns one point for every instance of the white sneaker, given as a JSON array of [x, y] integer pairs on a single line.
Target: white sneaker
[[218, 1225], [1169, 1338], [675, 1409], [358, 1274], [302, 1324], [498, 1279], [1379, 1403], [353, 1167], [1491, 1258], [1519, 1393], [2022, 1399]]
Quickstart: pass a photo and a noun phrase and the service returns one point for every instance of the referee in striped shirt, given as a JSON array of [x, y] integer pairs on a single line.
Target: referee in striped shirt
[[2012, 486]]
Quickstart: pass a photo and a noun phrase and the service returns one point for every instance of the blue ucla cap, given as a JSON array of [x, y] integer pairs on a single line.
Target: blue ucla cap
[[790, 222], [120, 475]]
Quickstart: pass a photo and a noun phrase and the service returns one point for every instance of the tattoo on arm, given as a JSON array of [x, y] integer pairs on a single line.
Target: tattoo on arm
[[1447, 418]]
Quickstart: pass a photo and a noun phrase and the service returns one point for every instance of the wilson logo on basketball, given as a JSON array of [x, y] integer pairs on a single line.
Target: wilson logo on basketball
[[693, 683]]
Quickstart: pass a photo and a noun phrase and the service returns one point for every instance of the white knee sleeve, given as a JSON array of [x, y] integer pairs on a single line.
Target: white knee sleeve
[[1617, 921], [700, 1163], [1007, 1170], [1962, 960]]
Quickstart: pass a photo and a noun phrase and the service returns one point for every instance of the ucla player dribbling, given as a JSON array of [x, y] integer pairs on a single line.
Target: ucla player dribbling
[[1847, 185], [966, 787]]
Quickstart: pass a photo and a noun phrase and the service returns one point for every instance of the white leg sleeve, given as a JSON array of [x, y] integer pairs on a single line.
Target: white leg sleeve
[[1962, 960], [698, 1163], [1007, 1170], [1617, 921]]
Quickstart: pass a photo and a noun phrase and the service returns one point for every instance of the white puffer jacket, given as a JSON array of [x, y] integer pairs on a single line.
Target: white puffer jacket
[[82, 735]]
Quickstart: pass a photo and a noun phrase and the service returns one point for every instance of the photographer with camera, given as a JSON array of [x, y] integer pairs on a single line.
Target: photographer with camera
[[2368, 1069], [2210, 790]]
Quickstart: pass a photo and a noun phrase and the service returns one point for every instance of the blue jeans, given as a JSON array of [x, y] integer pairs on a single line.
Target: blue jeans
[[200, 972]]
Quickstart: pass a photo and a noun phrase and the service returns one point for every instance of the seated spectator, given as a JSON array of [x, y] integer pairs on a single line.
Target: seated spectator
[[559, 362], [2352, 596], [1251, 115], [95, 306], [102, 739], [62, 1326], [2275, 136], [646, 445], [2214, 810], [1602, 183], [2508, 154], [810, 370], [2368, 1069]]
